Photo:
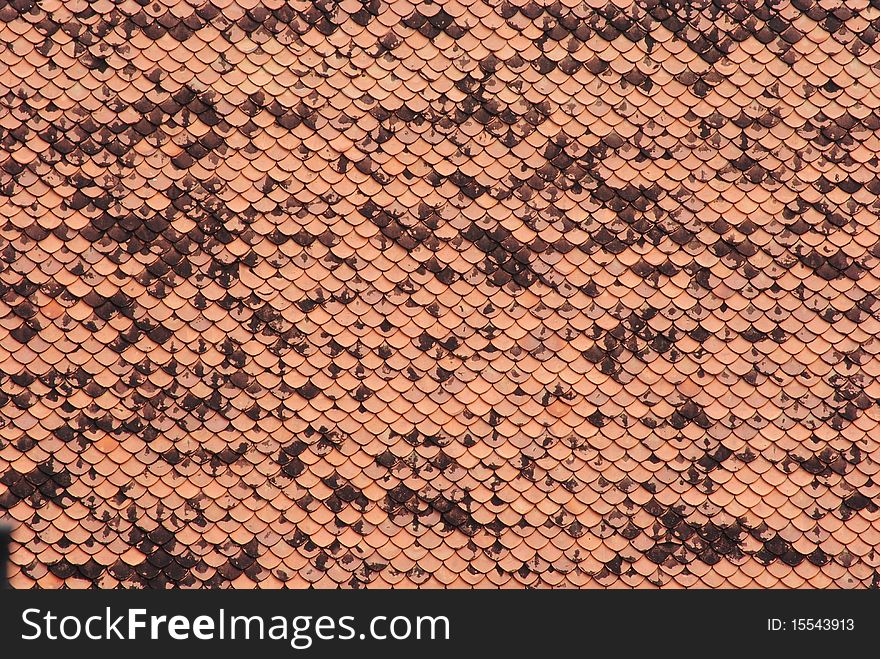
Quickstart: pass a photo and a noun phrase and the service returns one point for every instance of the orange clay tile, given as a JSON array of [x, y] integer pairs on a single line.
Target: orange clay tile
[[418, 294]]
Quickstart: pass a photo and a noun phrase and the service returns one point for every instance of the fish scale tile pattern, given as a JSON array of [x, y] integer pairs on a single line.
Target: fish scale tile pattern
[[440, 294]]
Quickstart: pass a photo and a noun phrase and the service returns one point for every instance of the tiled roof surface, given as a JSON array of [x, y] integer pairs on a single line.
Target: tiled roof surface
[[420, 294]]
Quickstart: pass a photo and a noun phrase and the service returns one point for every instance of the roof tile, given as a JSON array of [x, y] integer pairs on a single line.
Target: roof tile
[[440, 295]]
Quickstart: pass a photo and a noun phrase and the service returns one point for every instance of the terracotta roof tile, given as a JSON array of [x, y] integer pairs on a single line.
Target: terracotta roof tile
[[440, 295]]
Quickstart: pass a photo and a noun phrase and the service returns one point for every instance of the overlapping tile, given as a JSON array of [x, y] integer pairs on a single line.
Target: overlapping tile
[[412, 294]]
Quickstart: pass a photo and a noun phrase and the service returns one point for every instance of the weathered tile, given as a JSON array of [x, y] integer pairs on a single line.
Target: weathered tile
[[405, 294]]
